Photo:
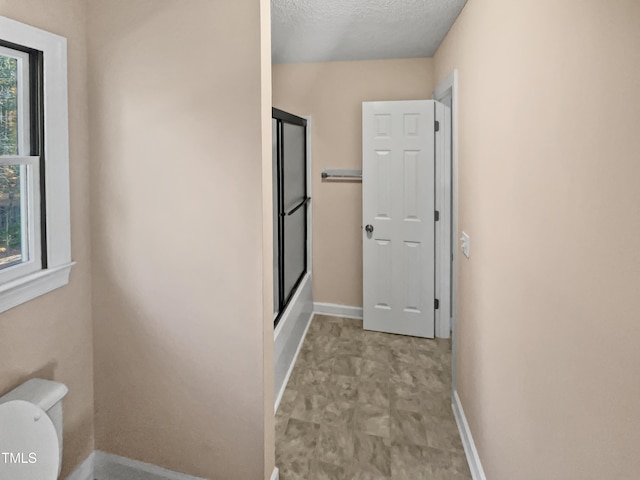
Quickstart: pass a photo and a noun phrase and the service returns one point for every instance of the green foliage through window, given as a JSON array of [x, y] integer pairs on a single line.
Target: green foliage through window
[[10, 215], [8, 106], [10, 204]]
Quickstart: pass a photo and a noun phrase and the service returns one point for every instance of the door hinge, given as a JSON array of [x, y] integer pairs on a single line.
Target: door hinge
[[437, 304], [437, 216], [437, 126]]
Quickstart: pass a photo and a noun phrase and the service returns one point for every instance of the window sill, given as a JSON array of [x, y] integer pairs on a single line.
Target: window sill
[[21, 290]]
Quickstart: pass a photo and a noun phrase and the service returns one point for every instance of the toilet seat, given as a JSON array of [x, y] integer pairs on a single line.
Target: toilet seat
[[28, 443]]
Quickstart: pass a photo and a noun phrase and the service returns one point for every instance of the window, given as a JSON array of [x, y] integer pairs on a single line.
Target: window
[[34, 181], [20, 228]]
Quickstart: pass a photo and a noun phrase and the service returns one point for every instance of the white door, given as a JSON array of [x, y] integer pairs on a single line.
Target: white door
[[398, 207]]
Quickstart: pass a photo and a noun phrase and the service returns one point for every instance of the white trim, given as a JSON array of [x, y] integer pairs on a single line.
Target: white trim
[[85, 470], [451, 84], [446, 85], [26, 288], [473, 459], [337, 310], [443, 226], [283, 387], [108, 466], [56, 155], [22, 103], [30, 205]]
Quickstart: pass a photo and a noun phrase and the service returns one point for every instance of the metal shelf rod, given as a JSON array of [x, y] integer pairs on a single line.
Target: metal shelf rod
[[353, 174]]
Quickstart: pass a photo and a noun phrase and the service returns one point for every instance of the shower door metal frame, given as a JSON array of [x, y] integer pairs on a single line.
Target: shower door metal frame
[[283, 117]]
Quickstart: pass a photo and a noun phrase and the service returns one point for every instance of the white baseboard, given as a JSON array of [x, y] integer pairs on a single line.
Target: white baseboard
[[337, 310], [115, 467], [473, 459], [85, 470], [106, 466]]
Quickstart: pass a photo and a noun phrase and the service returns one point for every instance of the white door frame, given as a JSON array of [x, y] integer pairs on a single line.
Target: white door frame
[[443, 225], [449, 86]]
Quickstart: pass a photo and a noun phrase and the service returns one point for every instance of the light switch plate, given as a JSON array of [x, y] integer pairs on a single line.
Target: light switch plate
[[465, 244]]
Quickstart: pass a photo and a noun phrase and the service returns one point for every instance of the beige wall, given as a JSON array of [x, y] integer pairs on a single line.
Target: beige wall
[[50, 336], [332, 93], [177, 115], [548, 356]]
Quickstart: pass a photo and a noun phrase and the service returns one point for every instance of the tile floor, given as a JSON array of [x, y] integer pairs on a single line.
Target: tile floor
[[368, 406]]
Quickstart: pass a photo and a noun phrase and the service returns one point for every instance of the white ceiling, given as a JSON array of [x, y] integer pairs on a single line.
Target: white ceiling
[[332, 30]]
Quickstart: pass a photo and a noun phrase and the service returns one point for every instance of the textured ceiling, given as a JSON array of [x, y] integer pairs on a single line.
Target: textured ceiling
[[332, 30]]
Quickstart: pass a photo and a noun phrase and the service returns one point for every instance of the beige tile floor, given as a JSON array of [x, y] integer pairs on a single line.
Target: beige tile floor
[[368, 406]]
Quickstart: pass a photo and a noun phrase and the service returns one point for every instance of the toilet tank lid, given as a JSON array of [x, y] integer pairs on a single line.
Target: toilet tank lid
[[43, 393]]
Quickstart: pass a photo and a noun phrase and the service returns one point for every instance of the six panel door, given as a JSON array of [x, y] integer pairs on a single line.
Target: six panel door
[[398, 203]]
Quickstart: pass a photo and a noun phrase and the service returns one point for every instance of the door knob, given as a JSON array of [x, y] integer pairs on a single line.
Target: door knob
[[369, 228]]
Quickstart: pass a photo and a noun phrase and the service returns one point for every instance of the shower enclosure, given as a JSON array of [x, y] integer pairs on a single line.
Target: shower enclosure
[[290, 203]]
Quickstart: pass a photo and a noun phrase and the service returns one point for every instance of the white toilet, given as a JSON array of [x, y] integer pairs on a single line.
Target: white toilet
[[31, 431]]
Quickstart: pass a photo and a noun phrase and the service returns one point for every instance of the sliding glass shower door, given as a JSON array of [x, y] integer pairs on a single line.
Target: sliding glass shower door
[[290, 206]]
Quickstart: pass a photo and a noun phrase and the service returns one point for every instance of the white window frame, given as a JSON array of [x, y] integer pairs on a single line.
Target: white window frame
[[29, 176], [30, 204], [24, 132], [39, 281]]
